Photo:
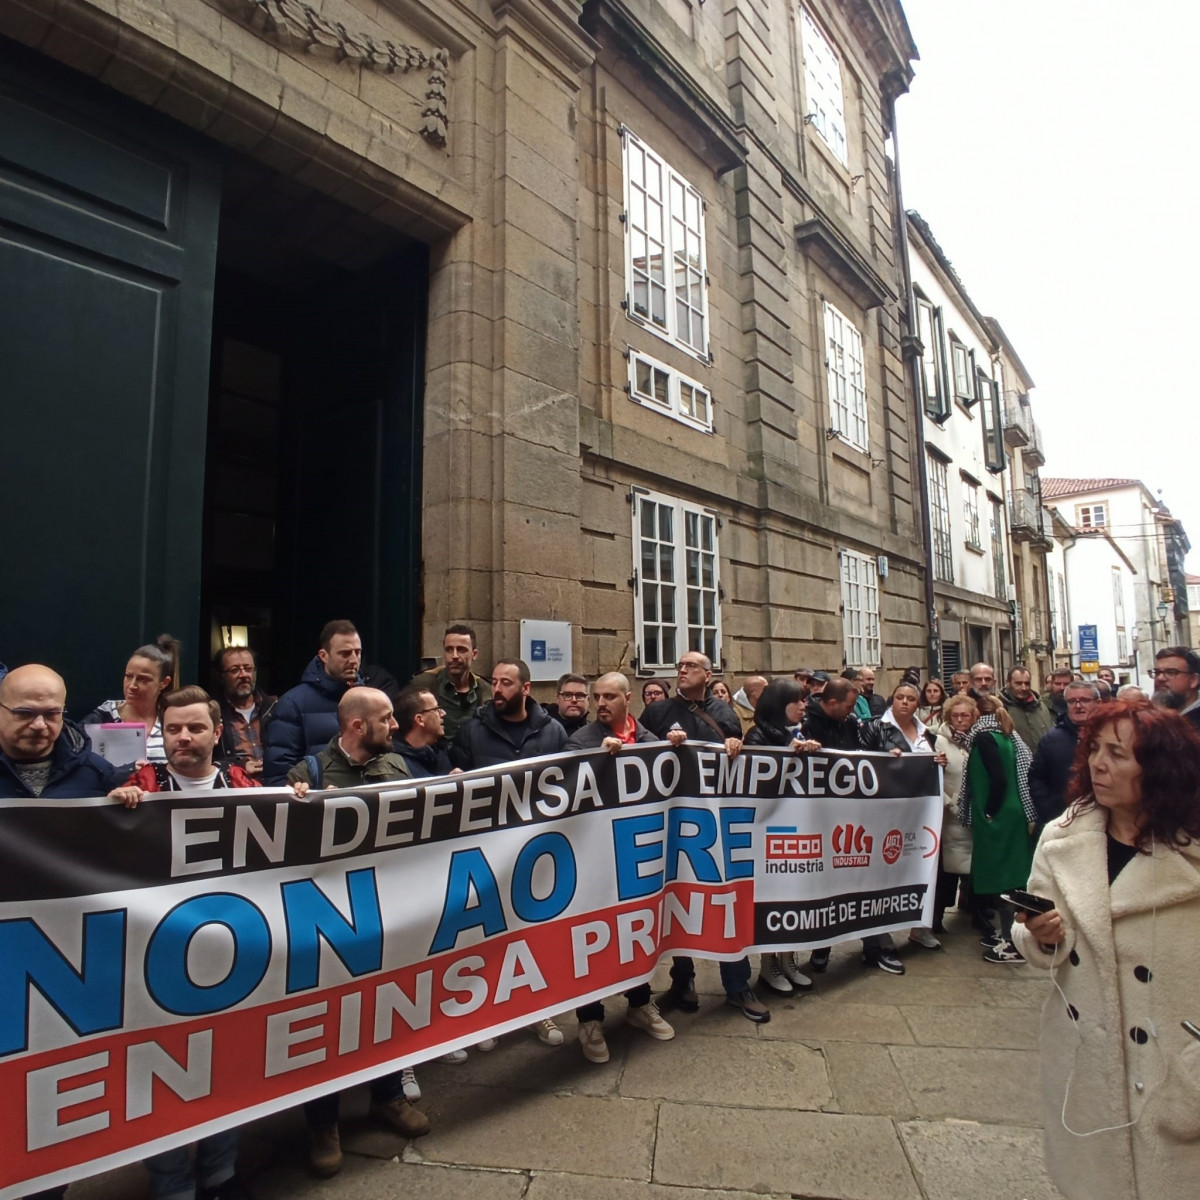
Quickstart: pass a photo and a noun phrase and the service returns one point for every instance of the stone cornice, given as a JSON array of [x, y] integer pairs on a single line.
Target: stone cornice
[[883, 32], [833, 250], [686, 100], [556, 24]]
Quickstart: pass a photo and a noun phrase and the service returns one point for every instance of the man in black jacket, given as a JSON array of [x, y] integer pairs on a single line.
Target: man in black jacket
[[571, 709], [420, 732], [511, 725], [1050, 771], [829, 719], [703, 718]]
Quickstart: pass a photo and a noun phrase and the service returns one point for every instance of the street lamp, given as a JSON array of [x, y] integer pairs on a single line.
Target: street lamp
[[1162, 613]]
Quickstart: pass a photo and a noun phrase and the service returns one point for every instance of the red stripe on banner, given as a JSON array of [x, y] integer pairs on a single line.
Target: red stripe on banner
[[97, 1103]]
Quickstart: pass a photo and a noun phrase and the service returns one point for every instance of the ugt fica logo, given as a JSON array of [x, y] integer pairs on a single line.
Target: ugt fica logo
[[851, 846]]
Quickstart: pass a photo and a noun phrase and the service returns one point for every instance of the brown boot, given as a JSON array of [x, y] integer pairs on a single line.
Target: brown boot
[[325, 1152], [402, 1117]]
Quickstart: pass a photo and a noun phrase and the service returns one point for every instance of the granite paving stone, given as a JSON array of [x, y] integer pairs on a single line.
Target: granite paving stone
[[866, 1080], [995, 1027], [829, 1155], [980, 1085], [958, 1160], [703, 1070]]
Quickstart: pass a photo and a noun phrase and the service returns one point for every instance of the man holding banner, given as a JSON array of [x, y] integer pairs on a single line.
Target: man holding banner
[[614, 728]]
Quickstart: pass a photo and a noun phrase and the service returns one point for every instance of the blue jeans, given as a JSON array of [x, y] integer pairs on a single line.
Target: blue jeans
[[322, 1113], [735, 976], [172, 1176]]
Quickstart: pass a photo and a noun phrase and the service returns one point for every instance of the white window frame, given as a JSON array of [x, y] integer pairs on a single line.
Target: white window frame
[[939, 519], [664, 214], [663, 604], [1085, 516], [669, 392], [847, 379], [823, 88], [861, 641], [971, 513]]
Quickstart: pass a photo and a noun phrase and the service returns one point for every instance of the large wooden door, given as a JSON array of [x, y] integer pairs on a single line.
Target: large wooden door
[[108, 226]]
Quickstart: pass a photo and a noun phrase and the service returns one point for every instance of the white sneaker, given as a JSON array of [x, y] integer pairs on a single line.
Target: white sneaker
[[791, 969], [770, 975], [486, 1045], [409, 1084], [647, 1018], [455, 1056], [591, 1041], [548, 1033], [924, 937]]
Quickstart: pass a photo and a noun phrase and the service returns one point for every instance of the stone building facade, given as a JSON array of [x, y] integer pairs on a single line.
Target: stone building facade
[[471, 312]]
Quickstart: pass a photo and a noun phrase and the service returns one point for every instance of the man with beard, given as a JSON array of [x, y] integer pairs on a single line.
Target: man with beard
[[243, 707], [458, 690], [614, 728], [1052, 697], [1177, 682], [983, 679], [571, 709], [360, 753], [1031, 719], [512, 725]]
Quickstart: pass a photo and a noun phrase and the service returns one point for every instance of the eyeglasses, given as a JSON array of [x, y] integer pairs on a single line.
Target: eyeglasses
[[685, 666], [29, 715], [238, 671], [1169, 672], [573, 695], [436, 708], [1082, 703]]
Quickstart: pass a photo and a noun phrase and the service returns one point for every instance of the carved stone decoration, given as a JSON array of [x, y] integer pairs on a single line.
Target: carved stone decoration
[[293, 22]]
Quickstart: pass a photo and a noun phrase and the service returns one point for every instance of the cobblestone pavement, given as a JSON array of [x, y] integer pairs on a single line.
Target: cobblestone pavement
[[871, 1087]]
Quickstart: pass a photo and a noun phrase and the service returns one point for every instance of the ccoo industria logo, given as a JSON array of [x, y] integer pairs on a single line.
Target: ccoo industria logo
[[790, 852], [851, 846]]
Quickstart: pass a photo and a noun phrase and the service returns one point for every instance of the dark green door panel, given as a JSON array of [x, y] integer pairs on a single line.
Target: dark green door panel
[[108, 225]]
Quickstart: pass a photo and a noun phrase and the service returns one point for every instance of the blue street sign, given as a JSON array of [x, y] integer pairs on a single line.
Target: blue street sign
[[1089, 644]]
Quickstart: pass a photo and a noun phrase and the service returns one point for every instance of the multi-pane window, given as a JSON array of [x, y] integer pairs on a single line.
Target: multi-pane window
[[656, 385], [664, 239], [971, 511], [860, 609], [823, 88], [677, 590], [847, 379], [963, 361], [993, 422], [931, 331], [1091, 516], [996, 529], [939, 503]]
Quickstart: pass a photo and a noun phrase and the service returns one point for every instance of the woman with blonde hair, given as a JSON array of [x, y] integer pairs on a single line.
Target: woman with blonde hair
[[954, 868]]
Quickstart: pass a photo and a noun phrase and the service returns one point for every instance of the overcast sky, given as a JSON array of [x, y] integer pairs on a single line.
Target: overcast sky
[[1050, 144]]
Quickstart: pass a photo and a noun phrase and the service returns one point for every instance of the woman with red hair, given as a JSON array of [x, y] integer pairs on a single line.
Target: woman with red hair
[[1120, 1068]]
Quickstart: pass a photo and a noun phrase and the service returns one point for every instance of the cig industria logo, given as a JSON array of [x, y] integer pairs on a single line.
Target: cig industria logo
[[851, 846]]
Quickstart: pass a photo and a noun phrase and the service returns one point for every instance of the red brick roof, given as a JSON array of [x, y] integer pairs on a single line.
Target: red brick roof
[[1053, 488]]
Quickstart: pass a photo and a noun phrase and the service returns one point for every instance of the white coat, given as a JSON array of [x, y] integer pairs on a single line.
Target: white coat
[[956, 837], [1130, 969]]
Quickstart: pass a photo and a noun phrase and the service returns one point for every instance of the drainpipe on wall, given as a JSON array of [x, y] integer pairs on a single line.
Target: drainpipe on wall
[[911, 349]]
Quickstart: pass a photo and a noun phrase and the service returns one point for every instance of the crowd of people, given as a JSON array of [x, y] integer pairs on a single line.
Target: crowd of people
[[1083, 759]]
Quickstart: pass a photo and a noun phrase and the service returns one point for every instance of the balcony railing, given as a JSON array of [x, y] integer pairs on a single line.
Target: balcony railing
[[1032, 452], [1024, 516], [1016, 421]]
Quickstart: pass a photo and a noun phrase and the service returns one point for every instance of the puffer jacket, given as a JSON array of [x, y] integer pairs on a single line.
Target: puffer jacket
[[75, 771], [1050, 771], [424, 762], [304, 720], [488, 740]]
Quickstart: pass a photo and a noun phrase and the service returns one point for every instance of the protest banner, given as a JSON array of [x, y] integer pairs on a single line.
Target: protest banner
[[186, 966]]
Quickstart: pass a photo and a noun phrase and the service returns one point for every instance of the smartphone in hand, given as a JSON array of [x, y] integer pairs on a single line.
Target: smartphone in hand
[[1027, 902]]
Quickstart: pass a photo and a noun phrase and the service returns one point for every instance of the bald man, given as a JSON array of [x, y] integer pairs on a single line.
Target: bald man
[[42, 753], [361, 751], [745, 700], [615, 726]]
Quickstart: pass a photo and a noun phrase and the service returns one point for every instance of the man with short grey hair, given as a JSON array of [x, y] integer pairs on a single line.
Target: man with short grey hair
[[1050, 771], [983, 679]]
